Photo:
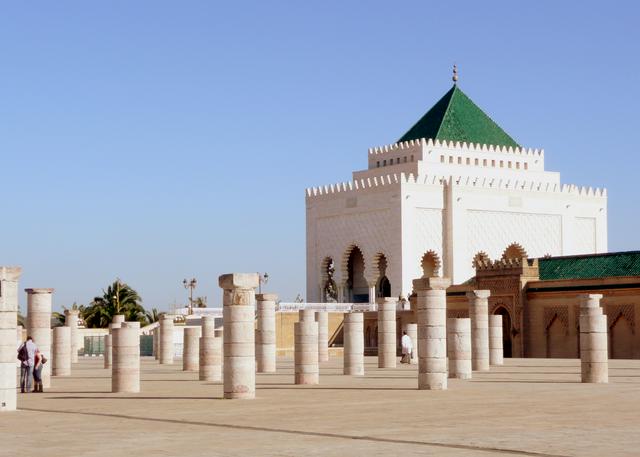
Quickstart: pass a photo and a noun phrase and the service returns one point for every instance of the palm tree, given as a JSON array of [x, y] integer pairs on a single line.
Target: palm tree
[[152, 316], [200, 302], [119, 298]]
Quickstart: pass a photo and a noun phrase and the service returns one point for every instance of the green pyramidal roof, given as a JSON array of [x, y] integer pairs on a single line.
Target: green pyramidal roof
[[456, 118]]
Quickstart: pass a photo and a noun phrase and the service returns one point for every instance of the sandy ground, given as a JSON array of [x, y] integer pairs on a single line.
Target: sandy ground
[[531, 407]]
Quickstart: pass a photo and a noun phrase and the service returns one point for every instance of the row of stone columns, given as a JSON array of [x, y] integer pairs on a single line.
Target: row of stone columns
[[116, 322], [166, 348], [353, 350], [71, 321], [191, 348], [387, 333]]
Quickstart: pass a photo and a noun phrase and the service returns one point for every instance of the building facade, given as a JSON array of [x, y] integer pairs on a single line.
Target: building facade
[[454, 190]]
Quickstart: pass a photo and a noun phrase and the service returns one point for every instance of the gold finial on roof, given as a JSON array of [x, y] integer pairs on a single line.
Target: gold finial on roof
[[455, 73]]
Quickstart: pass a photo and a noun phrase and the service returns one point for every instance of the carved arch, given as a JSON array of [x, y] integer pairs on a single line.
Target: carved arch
[[615, 312], [344, 262], [561, 313]]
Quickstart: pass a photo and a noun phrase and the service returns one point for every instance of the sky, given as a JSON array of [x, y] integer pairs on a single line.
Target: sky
[[160, 140]]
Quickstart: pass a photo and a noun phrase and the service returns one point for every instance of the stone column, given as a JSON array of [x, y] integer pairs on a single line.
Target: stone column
[[459, 348], [191, 349], [8, 322], [166, 340], [210, 351], [372, 293], [71, 321], [39, 326], [61, 360], [412, 331], [322, 318], [306, 370], [266, 333], [432, 332], [353, 330], [125, 372], [593, 340], [116, 322], [156, 342], [238, 301], [479, 315], [387, 333], [496, 353]]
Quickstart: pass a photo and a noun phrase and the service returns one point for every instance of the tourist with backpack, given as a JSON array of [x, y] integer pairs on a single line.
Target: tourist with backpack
[[26, 355]]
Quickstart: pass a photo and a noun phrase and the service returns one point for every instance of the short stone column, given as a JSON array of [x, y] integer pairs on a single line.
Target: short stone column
[[412, 332], [191, 348], [479, 315], [39, 326], [9, 277], [432, 332], [305, 331], [166, 340], [496, 353], [238, 311], [459, 348], [61, 360], [593, 340], [210, 368], [387, 347], [116, 322], [353, 331], [266, 333], [322, 318], [125, 371], [71, 321]]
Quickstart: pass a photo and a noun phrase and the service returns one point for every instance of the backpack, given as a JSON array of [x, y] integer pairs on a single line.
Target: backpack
[[23, 353]]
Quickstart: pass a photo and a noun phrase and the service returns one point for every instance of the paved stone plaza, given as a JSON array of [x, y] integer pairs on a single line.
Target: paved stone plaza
[[526, 407]]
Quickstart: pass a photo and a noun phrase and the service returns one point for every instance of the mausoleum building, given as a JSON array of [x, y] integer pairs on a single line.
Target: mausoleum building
[[455, 189]]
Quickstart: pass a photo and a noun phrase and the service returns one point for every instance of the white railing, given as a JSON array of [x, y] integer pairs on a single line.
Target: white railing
[[331, 307], [216, 312]]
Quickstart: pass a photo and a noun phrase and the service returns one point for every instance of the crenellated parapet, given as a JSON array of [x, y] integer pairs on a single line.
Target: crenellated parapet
[[471, 147], [463, 181]]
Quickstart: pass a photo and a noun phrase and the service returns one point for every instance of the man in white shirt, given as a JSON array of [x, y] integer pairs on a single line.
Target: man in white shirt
[[28, 348], [407, 348]]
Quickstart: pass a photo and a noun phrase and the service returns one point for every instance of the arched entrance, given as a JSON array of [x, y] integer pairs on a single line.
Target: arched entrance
[[557, 341], [621, 339], [507, 344], [357, 289], [383, 286]]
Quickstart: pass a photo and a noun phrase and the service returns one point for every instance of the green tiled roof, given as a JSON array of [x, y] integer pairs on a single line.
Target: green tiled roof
[[456, 118], [590, 266]]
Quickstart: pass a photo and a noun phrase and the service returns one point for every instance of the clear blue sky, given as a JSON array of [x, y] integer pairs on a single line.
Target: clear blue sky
[[157, 140]]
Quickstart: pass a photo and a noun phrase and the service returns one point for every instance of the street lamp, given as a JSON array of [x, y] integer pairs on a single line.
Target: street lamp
[[262, 279], [190, 285]]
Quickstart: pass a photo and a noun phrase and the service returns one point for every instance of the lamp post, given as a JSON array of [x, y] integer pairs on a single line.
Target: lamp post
[[191, 284], [262, 279]]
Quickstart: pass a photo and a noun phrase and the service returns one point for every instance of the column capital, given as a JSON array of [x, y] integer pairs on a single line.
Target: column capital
[[266, 297], [434, 283], [39, 291], [238, 281], [478, 294]]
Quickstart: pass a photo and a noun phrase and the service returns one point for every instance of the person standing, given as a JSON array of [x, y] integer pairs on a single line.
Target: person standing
[[26, 355], [39, 362], [407, 348]]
